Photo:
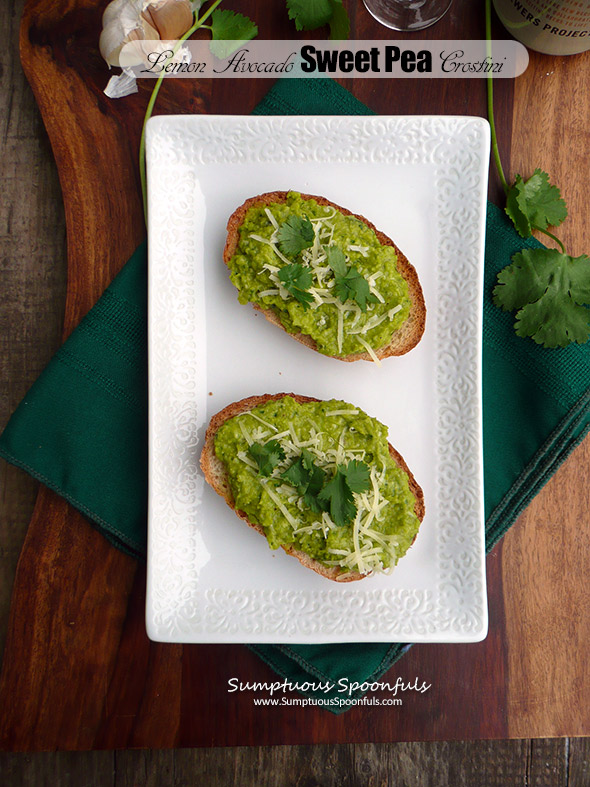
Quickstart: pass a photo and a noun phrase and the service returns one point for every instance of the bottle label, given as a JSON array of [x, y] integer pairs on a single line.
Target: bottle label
[[556, 27]]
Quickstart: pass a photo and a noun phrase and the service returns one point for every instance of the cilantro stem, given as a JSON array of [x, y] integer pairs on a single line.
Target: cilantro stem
[[495, 149], [198, 23], [490, 88], [552, 236]]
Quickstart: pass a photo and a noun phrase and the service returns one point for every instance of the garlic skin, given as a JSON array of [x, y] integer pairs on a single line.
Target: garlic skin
[[171, 18], [142, 20], [121, 85]]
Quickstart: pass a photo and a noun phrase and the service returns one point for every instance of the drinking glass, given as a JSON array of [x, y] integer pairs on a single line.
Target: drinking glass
[[407, 15]]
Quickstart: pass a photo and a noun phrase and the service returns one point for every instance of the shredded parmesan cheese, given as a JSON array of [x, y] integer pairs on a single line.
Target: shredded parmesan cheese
[[243, 456], [271, 218], [244, 432], [370, 350], [279, 504], [262, 421], [364, 250]]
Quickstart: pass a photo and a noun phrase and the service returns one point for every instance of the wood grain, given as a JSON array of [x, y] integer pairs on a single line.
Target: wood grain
[[547, 608], [79, 670], [548, 763], [32, 269]]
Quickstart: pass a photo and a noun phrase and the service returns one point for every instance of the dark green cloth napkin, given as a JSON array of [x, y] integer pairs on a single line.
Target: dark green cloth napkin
[[82, 428]]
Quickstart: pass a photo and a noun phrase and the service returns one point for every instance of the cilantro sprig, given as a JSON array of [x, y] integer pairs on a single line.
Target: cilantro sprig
[[297, 279], [229, 30], [307, 478], [334, 494], [350, 284], [319, 490], [338, 492], [310, 14], [535, 204], [548, 288], [295, 234], [267, 456]]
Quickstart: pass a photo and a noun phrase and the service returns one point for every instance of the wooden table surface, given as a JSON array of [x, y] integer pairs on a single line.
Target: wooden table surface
[[100, 683]]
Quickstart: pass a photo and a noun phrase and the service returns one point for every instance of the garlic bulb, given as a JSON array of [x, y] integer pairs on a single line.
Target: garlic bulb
[[142, 20]]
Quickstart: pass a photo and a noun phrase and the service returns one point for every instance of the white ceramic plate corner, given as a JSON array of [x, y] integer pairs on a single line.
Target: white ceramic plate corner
[[423, 181]]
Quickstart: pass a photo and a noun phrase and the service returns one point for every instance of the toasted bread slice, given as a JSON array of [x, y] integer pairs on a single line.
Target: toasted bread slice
[[216, 476], [403, 340]]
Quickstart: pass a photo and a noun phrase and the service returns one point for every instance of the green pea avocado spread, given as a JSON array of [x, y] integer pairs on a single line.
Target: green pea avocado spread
[[318, 476], [324, 274]]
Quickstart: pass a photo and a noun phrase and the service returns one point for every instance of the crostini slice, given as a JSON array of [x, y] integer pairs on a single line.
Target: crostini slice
[[325, 275], [317, 478]]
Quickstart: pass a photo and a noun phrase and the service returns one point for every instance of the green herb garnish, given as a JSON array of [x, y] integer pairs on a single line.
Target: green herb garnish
[[339, 21], [334, 495], [357, 476], [297, 279], [266, 455], [294, 235], [308, 479], [350, 284], [338, 492], [309, 14], [535, 204], [229, 30], [549, 289]]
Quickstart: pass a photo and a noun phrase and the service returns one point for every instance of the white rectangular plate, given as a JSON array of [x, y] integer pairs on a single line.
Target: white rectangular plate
[[422, 181]]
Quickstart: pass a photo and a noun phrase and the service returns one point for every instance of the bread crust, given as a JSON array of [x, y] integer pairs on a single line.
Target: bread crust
[[403, 340], [216, 476]]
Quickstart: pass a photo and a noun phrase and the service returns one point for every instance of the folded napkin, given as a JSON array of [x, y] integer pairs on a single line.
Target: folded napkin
[[82, 428]]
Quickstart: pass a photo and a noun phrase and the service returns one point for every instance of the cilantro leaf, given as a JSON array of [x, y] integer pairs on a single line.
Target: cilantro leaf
[[355, 287], [297, 475], [550, 290], [554, 321], [335, 495], [229, 30], [307, 459], [315, 483], [350, 285], [295, 234], [339, 496], [339, 22], [310, 497], [357, 476], [308, 479], [338, 492], [267, 455], [297, 279], [309, 14], [336, 260], [535, 203]]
